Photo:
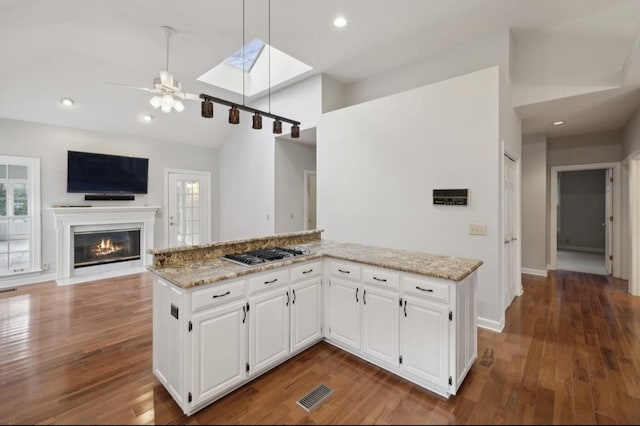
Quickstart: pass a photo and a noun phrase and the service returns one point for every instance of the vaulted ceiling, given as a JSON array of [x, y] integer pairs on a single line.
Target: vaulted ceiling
[[575, 60]]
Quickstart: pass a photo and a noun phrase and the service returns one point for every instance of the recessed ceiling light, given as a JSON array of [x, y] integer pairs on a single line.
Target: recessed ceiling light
[[340, 22], [147, 118], [558, 123], [67, 102]]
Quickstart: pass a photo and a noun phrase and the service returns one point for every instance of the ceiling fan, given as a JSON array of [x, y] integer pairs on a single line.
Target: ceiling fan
[[167, 92]]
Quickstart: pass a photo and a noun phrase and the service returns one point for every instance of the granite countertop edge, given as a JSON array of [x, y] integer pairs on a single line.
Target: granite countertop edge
[[199, 273]]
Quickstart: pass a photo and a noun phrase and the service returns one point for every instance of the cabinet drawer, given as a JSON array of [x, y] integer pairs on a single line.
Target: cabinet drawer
[[217, 295], [381, 277], [307, 270], [269, 280], [345, 271], [426, 288]]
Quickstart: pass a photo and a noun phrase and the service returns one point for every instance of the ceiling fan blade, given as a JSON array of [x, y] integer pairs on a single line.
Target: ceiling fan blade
[[166, 78], [188, 96], [146, 89]]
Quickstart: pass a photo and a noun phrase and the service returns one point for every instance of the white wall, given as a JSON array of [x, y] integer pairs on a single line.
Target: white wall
[[631, 135], [51, 143], [291, 160], [247, 161], [379, 161], [534, 206], [478, 54]]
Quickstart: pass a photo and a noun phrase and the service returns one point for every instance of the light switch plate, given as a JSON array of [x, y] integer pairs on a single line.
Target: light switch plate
[[477, 229]]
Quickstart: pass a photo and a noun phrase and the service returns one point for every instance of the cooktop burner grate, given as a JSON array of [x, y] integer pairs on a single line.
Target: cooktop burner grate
[[262, 256]]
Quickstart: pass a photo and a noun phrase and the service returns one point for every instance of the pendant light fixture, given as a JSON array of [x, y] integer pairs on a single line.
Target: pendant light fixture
[[234, 110]]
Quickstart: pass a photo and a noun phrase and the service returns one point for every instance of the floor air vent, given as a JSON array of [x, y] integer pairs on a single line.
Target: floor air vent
[[315, 397]]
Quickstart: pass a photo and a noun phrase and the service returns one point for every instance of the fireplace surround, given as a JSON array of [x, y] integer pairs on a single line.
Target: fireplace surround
[[74, 225]]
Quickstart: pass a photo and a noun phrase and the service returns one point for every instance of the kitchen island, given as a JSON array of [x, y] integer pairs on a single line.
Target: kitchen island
[[218, 325]]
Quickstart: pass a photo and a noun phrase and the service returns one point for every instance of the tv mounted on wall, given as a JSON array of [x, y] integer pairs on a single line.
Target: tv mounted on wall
[[106, 174]]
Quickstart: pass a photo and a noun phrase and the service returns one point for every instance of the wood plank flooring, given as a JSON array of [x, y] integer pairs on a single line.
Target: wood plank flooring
[[81, 354]]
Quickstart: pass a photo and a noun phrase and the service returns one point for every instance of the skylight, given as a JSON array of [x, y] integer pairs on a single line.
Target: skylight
[[245, 61], [261, 67]]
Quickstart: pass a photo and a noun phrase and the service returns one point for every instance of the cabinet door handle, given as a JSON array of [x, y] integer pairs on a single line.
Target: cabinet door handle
[[272, 281], [428, 290], [343, 271], [220, 295], [405, 308], [294, 297], [364, 296], [357, 290], [307, 272], [380, 279], [287, 298], [244, 314]]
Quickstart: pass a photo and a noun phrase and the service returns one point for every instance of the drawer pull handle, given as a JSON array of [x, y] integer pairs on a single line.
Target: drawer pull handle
[[307, 272], [405, 308], [357, 290], [343, 271], [429, 290], [380, 279], [294, 297], [220, 295], [364, 297], [244, 314], [272, 281], [287, 298]]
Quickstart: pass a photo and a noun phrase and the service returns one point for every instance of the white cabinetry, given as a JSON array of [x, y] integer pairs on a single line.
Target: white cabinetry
[[269, 329], [218, 367], [380, 332], [423, 329], [425, 336], [306, 305]]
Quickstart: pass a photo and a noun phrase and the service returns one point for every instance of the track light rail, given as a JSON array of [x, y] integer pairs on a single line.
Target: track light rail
[[210, 98]]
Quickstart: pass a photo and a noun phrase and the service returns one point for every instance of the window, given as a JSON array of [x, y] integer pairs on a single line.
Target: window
[[19, 215]]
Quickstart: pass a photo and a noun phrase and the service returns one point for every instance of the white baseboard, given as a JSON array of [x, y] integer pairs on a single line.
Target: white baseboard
[[491, 324], [581, 248], [101, 276], [537, 272], [25, 280], [550, 268]]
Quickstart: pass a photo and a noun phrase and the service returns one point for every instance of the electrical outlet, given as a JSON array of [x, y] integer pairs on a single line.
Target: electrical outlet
[[45, 266], [477, 229]]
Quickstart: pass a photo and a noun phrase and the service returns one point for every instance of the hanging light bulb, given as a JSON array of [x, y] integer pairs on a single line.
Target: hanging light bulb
[[277, 127], [156, 101], [257, 121], [207, 109], [295, 131], [167, 103], [178, 105], [234, 115]]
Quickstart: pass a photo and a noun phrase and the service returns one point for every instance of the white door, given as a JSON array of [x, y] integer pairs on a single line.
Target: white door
[[608, 221], [509, 230], [310, 200], [380, 324], [218, 367], [344, 312], [305, 314], [268, 329], [188, 208], [425, 336]]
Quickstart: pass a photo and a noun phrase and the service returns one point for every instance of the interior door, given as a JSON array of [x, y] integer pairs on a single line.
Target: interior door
[[509, 230], [608, 221], [188, 209]]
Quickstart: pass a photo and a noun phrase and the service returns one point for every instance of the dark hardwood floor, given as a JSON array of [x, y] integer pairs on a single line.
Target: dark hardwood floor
[[569, 354]]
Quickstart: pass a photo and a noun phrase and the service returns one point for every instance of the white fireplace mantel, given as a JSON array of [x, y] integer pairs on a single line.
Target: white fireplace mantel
[[68, 217]]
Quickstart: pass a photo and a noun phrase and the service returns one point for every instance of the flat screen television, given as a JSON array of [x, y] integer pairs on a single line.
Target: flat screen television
[[106, 174]]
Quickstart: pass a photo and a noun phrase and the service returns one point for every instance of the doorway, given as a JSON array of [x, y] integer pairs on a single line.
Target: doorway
[[512, 283], [584, 208], [585, 218], [188, 207], [310, 200]]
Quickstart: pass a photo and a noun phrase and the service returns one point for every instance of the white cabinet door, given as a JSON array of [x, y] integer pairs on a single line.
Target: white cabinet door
[[268, 329], [380, 327], [344, 312], [219, 350], [305, 313], [425, 332]]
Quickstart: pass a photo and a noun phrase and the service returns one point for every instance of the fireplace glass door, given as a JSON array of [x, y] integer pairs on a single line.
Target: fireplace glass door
[[98, 247]]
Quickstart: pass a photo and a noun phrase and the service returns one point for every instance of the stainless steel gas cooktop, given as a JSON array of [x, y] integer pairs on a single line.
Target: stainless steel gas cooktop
[[263, 256]]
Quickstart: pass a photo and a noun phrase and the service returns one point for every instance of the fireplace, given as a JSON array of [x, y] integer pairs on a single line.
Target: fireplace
[[93, 248]]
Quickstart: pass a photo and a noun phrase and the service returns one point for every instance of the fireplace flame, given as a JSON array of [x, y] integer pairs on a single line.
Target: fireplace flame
[[106, 247]]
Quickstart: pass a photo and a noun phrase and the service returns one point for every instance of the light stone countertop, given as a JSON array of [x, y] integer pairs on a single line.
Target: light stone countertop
[[207, 271]]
